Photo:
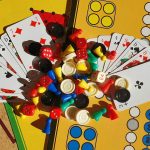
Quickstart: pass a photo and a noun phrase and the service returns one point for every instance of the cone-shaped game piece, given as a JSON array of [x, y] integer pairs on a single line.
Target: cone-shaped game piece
[[52, 75], [65, 105], [53, 89], [47, 129], [58, 72], [97, 115]]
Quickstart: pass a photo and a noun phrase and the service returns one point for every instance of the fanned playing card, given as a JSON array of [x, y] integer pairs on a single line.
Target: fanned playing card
[[138, 80]]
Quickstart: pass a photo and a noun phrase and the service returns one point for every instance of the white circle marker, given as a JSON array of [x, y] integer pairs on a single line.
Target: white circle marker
[[129, 147], [146, 19], [67, 86], [145, 31], [134, 112], [131, 137], [147, 7], [68, 68]]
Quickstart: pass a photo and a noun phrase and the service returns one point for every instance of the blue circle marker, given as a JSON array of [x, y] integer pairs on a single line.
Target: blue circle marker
[[146, 140], [147, 127], [87, 146], [73, 145], [89, 134], [75, 132], [148, 114]]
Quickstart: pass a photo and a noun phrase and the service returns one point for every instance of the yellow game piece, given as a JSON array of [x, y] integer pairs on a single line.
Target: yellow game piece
[[107, 21], [22, 116], [41, 89], [96, 6], [98, 51], [81, 67], [109, 8], [93, 19], [35, 100], [104, 58], [68, 50], [83, 84], [58, 72], [91, 89]]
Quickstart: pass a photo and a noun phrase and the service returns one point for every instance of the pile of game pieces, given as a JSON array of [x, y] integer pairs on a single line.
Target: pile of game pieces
[[65, 74]]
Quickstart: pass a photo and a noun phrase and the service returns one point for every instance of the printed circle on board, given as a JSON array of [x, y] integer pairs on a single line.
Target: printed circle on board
[[129, 147], [146, 140], [109, 8], [147, 127], [95, 6], [73, 145], [148, 114], [75, 132], [107, 21], [89, 134], [146, 19], [145, 31], [87, 146], [133, 124], [131, 137], [93, 19], [147, 7], [134, 112]]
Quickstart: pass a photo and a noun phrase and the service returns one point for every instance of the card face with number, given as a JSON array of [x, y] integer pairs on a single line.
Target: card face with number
[[29, 29], [114, 43], [104, 39], [141, 57], [10, 59], [135, 47], [138, 79], [126, 40], [8, 43]]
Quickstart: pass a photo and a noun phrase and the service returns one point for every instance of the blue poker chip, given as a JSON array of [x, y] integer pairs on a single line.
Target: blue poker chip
[[87, 146], [89, 134], [75, 132], [146, 140], [147, 127]]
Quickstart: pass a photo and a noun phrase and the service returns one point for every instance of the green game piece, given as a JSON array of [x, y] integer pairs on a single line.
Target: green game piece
[[94, 66], [91, 57], [64, 106], [97, 115]]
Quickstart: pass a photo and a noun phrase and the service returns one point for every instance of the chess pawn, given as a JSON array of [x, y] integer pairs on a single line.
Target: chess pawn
[[47, 129], [97, 115]]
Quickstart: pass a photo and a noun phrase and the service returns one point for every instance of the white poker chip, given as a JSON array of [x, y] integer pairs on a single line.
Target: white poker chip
[[82, 117], [67, 86], [68, 68], [99, 94], [121, 82], [69, 56], [87, 93], [70, 112]]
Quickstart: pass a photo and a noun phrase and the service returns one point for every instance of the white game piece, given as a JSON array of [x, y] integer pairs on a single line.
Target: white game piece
[[147, 7], [70, 112], [87, 93], [134, 112], [99, 94], [121, 82], [68, 68], [131, 137], [146, 19], [69, 56], [145, 31]]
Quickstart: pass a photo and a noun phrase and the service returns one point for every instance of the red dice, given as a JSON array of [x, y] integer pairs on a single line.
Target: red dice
[[55, 113], [82, 54], [28, 109]]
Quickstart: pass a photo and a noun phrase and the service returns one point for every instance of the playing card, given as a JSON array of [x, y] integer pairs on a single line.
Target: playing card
[[138, 79], [135, 47], [114, 43], [104, 39], [10, 59], [29, 29], [141, 57], [8, 43], [124, 43]]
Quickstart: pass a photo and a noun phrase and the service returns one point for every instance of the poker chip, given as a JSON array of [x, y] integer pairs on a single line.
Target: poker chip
[[82, 117], [68, 68], [70, 112], [81, 101], [69, 56], [122, 95], [121, 82], [67, 86], [99, 94]]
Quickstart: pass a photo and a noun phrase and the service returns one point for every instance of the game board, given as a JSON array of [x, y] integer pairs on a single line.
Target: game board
[[131, 130]]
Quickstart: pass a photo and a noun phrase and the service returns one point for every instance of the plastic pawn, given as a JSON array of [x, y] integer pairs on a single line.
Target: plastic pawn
[[53, 89], [47, 129], [65, 105], [97, 115], [111, 113]]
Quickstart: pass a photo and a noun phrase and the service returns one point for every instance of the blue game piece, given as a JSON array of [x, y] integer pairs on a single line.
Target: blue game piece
[[89, 134], [87, 146], [147, 127], [79, 76], [47, 128], [146, 140], [53, 89], [66, 97], [75, 132], [148, 114], [52, 75], [73, 145]]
